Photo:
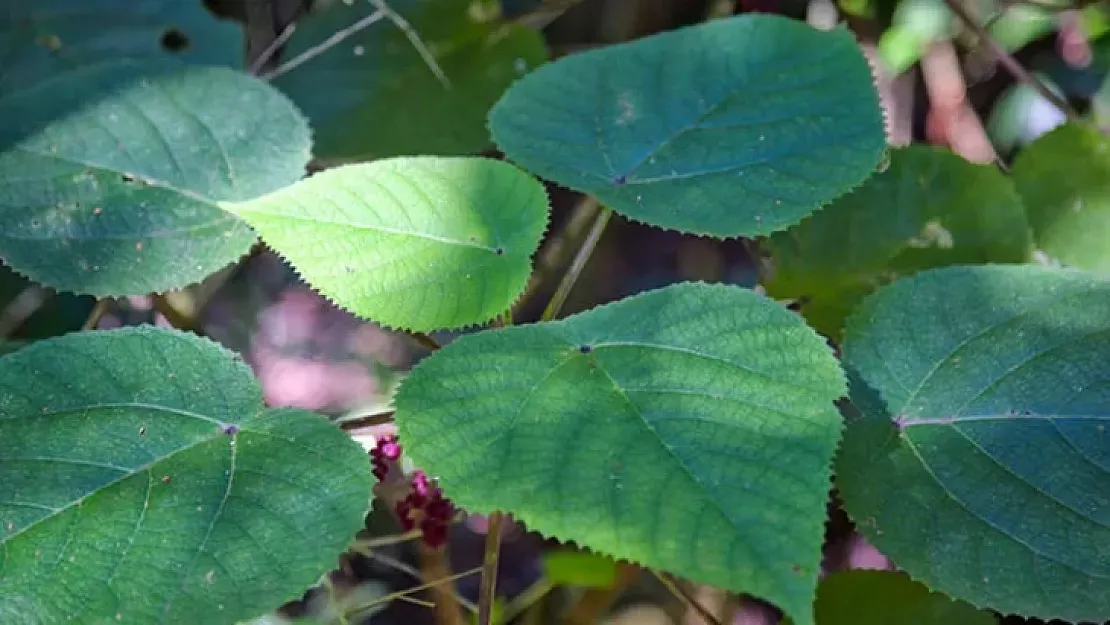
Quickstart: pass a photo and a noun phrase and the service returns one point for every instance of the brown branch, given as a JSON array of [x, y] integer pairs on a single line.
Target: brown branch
[[1008, 61]]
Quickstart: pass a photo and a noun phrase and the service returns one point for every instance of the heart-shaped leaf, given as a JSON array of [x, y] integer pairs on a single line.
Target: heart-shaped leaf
[[738, 126], [44, 38], [1064, 177], [420, 243], [375, 96], [689, 428], [927, 209], [110, 175], [143, 481], [981, 461], [862, 597]]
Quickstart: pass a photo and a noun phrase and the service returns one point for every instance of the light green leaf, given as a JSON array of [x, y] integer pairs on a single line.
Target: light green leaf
[[886, 598], [738, 126], [1064, 177], [143, 481], [110, 175], [991, 484], [928, 209], [374, 96], [44, 38], [689, 428], [420, 243], [579, 568]]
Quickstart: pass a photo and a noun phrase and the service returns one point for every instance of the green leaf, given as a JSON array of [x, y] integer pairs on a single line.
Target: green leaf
[[928, 209], [143, 481], [579, 568], [736, 127], [993, 487], [44, 38], [881, 598], [689, 428], [110, 176], [374, 96], [1064, 177], [420, 243]]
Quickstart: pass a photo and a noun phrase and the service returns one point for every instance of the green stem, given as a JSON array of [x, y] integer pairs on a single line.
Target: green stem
[[487, 592], [576, 266], [99, 308]]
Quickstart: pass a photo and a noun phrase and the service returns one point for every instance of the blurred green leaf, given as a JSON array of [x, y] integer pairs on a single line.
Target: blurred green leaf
[[579, 568], [374, 96], [861, 597], [928, 208], [1065, 179], [44, 38], [688, 428], [739, 126]]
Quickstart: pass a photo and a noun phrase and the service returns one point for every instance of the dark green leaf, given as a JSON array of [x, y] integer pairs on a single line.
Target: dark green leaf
[[738, 126], [110, 176], [374, 96], [929, 208], [143, 481], [980, 462], [689, 428], [42, 38]]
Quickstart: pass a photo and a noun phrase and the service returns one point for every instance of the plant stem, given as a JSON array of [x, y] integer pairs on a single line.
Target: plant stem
[[686, 599], [589, 607], [487, 593], [576, 266], [405, 568], [434, 565], [555, 253], [424, 340], [21, 308], [177, 319], [97, 312], [366, 421], [1009, 62], [414, 589]]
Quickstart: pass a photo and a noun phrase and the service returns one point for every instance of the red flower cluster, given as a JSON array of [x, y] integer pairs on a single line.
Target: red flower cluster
[[424, 506]]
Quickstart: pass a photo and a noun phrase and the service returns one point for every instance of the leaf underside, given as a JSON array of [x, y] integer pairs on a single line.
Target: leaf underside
[[689, 429], [993, 488]]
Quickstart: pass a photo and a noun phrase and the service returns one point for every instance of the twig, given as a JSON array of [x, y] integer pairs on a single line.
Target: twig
[[176, 318], [413, 590], [366, 421], [97, 312], [326, 45], [555, 252], [686, 599], [272, 49], [21, 308], [1009, 62], [575, 269], [487, 592], [404, 567], [434, 565], [414, 39], [541, 16], [424, 340]]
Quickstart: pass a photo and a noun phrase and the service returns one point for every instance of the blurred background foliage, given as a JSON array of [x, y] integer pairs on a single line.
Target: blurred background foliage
[[940, 83]]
